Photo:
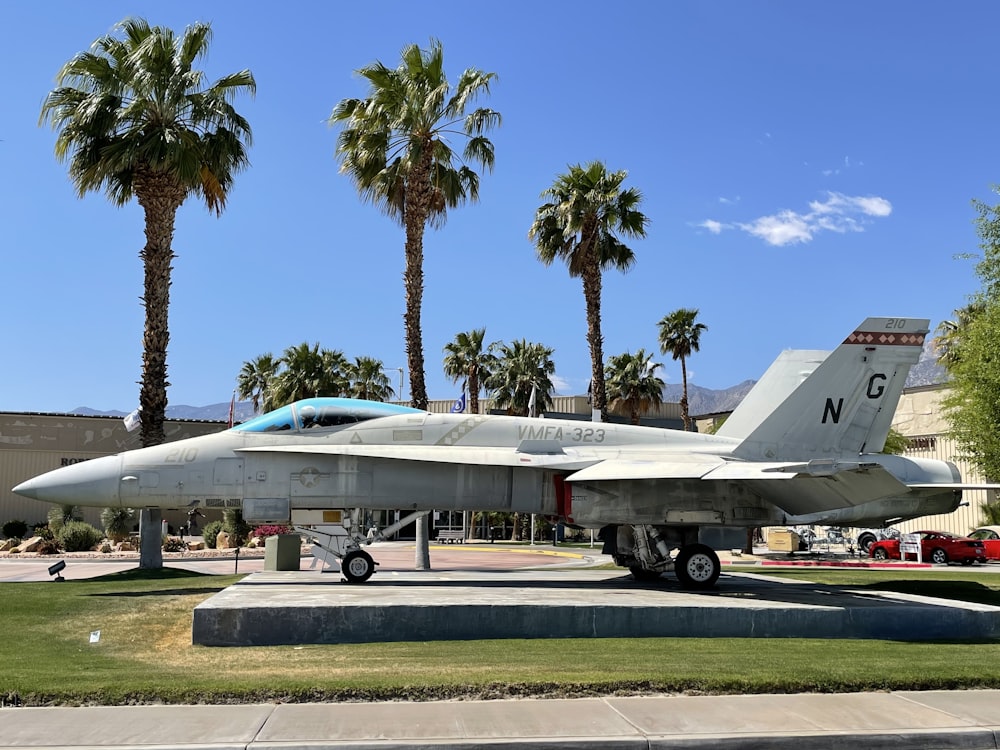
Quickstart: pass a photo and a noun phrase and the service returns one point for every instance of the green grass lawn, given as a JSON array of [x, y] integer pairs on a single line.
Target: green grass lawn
[[965, 584], [145, 654]]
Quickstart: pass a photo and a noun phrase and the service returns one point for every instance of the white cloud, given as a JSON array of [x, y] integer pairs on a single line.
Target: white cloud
[[561, 386], [784, 228], [872, 205], [837, 213]]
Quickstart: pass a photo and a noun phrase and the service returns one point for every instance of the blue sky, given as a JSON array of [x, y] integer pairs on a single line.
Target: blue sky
[[803, 166]]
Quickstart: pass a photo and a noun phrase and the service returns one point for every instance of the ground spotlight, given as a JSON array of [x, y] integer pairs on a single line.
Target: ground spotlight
[[56, 568]]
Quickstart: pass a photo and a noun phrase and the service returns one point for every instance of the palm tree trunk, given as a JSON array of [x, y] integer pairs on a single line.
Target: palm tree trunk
[[417, 206], [592, 296], [157, 259], [160, 197], [684, 397], [474, 391]]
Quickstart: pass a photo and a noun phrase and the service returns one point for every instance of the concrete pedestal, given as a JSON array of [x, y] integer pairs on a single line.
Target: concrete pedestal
[[282, 552]]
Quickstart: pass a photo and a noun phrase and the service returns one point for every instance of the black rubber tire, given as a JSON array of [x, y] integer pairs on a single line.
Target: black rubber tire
[[865, 542], [697, 566], [644, 574], [939, 556], [880, 554], [357, 566]]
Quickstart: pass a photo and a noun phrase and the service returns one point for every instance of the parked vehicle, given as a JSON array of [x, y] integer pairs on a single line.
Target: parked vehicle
[[939, 547], [868, 537], [990, 537]]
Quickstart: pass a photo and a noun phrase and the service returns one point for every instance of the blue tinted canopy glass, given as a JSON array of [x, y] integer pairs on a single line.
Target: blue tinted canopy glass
[[312, 413]]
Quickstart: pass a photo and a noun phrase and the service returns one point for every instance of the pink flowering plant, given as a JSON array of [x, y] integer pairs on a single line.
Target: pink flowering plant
[[271, 530]]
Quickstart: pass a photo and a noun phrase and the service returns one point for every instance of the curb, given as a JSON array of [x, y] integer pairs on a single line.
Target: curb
[[827, 564]]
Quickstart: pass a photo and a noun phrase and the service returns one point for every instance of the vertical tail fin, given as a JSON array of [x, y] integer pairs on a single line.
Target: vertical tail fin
[[845, 407], [784, 375]]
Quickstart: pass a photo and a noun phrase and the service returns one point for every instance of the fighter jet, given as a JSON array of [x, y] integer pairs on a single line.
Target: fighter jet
[[803, 448]]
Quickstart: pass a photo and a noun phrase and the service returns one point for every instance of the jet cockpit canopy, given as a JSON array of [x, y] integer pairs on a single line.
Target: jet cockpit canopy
[[314, 413]]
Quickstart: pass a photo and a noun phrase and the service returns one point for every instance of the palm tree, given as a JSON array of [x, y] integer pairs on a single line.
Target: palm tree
[[395, 146], [308, 372], [256, 382], [585, 208], [135, 119], [522, 368], [950, 333], [680, 336], [466, 359], [632, 384], [368, 379]]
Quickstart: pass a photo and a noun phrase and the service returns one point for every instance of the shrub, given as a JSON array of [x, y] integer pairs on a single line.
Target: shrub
[[15, 529], [210, 531], [173, 544], [77, 536], [117, 523], [234, 525], [271, 530], [42, 530], [60, 515]]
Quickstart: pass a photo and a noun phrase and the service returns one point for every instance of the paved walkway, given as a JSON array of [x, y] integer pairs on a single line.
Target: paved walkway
[[967, 719]]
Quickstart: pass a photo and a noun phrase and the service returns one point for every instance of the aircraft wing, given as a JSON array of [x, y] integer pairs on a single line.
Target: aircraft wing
[[679, 466], [797, 488], [534, 455]]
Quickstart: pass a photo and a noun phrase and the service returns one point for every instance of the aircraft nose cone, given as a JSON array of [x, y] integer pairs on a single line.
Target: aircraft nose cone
[[93, 482]]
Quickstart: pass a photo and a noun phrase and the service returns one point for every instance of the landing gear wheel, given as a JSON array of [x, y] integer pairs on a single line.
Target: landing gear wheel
[[644, 574], [697, 566], [865, 542], [939, 556], [357, 566]]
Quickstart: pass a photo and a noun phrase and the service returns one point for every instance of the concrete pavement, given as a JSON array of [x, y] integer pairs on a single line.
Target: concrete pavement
[[896, 721]]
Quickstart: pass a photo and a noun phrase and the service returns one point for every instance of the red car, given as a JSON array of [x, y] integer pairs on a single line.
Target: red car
[[990, 537], [940, 547]]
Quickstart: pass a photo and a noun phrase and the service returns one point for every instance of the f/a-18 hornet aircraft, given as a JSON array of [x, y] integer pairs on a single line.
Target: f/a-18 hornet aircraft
[[802, 448]]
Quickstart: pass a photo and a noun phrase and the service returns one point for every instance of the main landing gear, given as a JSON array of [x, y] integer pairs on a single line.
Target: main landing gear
[[646, 553]]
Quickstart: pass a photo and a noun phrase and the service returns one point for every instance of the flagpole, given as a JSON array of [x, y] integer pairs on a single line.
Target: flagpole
[[533, 412]]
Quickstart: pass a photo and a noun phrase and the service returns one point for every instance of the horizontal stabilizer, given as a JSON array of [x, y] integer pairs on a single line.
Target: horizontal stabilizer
[[764, 470], [811, 493]]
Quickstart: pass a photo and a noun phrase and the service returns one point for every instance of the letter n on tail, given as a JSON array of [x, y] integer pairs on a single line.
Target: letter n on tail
[[831, 411]]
